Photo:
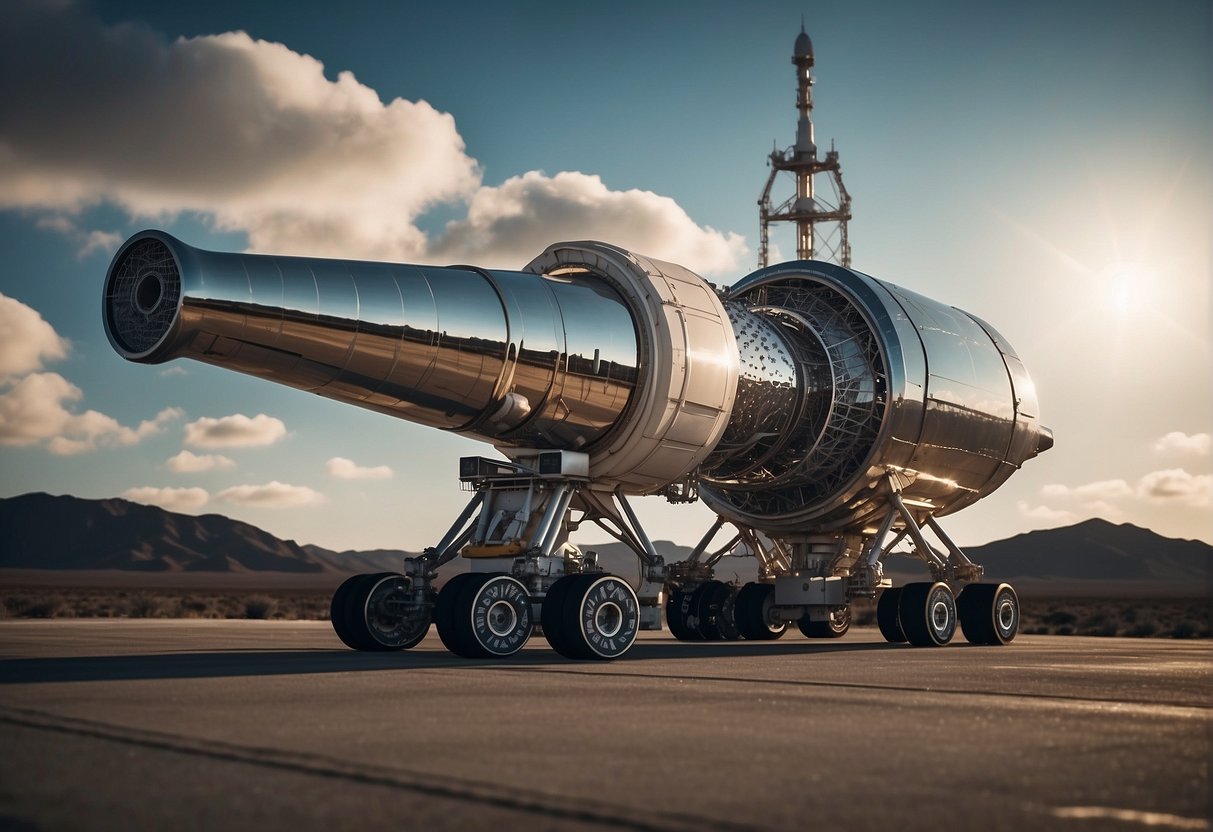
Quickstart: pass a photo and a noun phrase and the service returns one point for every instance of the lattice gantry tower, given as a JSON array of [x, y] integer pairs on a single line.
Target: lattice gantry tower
[[820, 214]]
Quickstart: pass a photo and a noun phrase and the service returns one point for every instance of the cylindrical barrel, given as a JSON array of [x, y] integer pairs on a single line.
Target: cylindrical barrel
[[592, 348], [789, 406], [892, 382], [508, 356]]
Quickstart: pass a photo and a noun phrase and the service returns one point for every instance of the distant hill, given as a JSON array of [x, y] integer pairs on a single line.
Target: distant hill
[[115, 537], [1097, 549], [44, 532]]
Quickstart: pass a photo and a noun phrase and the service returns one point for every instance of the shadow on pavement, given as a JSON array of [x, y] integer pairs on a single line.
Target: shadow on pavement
[[218, 664]]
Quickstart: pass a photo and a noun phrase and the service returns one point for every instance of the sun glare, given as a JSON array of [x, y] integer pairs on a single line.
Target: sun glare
[[1126, 285]]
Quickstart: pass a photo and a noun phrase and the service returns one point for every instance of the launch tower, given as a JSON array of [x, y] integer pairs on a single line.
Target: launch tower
[[820, 215]]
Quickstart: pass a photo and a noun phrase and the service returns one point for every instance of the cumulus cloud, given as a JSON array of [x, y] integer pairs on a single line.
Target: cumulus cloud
[[1045, 514], [187, 462], [271, 495], [172, 499], [345, 469], [256, 138], [246, 131], [35, 410], [1177, 485], [1109, 498], [508, 225], [1094, 491], [39, 407], [235, 431], [27, 341], [85, 241], [1177, 442]]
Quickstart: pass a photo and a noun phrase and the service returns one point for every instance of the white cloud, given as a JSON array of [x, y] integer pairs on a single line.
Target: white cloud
[[187, 462], [1196, 444], [254, 137], [34, 410], [37, 407], [1045, 514], [1177, 485], [26, 339], [246, 131], [346, 469], [271, 495], [172, 499], [1094, 491], [1109, 498], [235, 431], [86, 242], [507, 226]]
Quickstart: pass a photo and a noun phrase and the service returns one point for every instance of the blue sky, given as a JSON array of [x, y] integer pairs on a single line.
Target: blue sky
[[1045, 166]]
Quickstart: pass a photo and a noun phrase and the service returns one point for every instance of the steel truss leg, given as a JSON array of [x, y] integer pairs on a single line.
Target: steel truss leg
[[616, 517], [956, 567]]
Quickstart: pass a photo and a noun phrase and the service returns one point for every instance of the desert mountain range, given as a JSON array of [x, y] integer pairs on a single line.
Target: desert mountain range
[[63, 537]]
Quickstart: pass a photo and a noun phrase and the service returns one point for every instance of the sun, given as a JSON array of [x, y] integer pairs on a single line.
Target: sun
[[1126, 286]]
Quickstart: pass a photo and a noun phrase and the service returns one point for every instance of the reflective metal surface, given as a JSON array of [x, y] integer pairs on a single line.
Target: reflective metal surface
[[771, 397], [689, 364], [917, 388], [511, 357], [789, 406]]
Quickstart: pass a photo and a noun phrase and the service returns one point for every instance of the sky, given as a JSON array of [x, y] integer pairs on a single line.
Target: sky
[[1044, 165]]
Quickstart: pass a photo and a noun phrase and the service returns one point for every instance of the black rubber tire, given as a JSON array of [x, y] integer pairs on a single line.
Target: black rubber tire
[[453, 637], [836, 627], [551, 614], [927, 612], [337, 610], [712, 602], [887, 617], [750, 612], [352, 612], [989, 613], [384, 632], [499, 598], [601, 617], [680, 615]]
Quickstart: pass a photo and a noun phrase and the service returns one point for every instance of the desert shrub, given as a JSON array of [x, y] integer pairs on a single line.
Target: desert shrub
[[144, 606], [191, 607], [1184, 629], [46, 607], [1142, 629], [260, 607], [1099, 624], [1060, 618]]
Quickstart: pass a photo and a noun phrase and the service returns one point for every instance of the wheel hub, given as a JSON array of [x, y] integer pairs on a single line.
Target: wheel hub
[[502, 618], [1006, 615], [940, 616], [608, 619]]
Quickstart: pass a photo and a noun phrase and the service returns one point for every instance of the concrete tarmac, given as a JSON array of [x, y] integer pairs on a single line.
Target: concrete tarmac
[[187, 725]]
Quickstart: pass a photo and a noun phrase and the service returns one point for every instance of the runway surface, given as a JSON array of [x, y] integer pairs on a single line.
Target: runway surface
[[273, 725]]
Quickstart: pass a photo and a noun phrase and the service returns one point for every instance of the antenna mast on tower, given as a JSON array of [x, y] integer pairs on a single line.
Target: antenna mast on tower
[[807, 207]]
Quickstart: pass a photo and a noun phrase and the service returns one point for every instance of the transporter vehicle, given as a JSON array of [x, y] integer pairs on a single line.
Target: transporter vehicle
[[824, 416]]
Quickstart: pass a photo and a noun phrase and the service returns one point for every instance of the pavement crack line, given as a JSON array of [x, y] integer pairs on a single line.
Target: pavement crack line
[[1164, 709], [513, 798]]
